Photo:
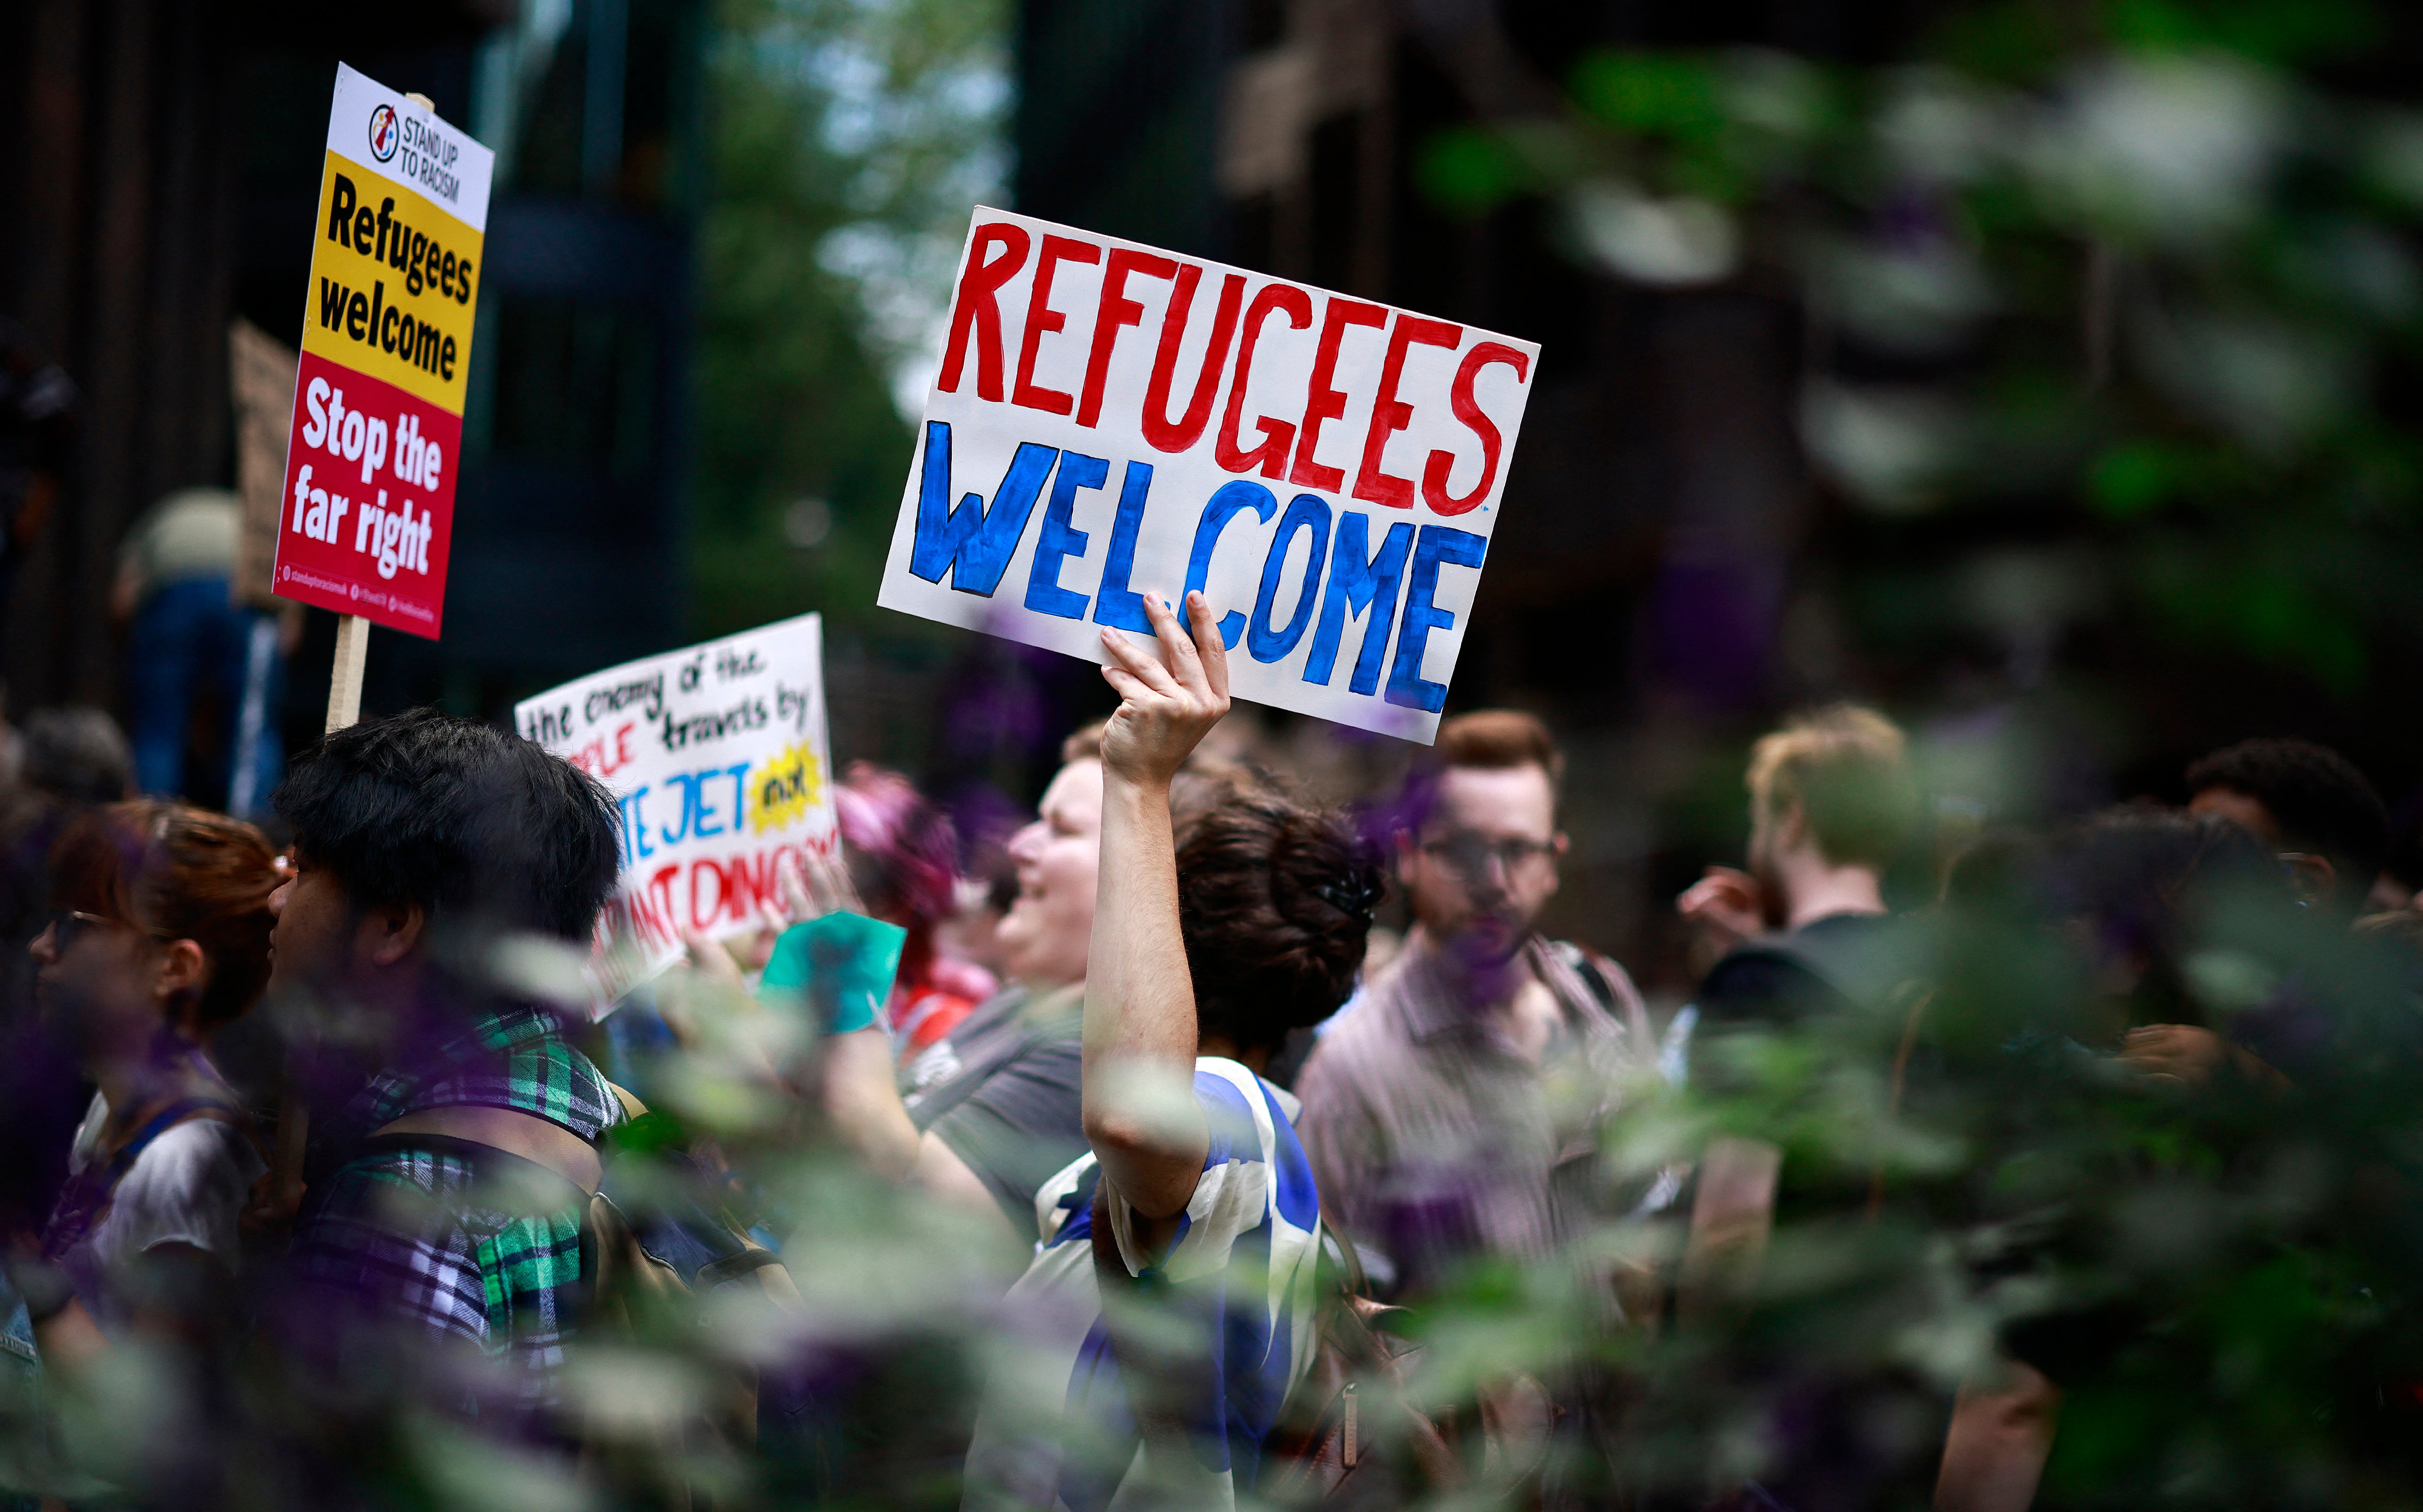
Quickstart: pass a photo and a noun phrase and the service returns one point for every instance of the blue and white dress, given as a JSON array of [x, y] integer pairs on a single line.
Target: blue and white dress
[[1056, 1430]]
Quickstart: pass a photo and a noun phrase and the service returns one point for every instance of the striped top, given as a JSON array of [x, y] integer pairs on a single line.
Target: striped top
[[1056, 1430]]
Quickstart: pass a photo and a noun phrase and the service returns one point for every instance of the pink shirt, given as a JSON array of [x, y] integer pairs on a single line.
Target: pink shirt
[[1432, 1138]]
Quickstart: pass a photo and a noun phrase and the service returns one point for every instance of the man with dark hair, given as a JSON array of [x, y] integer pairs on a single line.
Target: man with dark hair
[[1452, 1112], [429, 852], [2311, 805], [1831, 803]]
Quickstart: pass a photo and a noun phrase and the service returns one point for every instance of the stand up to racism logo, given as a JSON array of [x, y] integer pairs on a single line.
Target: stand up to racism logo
[[384, 132]]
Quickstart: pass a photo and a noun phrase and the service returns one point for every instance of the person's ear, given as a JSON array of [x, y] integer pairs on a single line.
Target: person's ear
[[1791, 825], [2311, 877], [182, 969], [389, 933], [1558, 845]]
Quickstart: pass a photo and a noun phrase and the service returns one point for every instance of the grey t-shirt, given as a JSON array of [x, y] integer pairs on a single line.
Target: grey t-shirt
[[1001, 1093]]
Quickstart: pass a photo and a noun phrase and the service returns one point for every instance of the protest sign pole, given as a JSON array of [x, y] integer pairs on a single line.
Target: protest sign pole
[[345, 677]]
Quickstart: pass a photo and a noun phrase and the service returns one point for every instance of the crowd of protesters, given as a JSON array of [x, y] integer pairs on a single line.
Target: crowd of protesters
[[318, 1141]]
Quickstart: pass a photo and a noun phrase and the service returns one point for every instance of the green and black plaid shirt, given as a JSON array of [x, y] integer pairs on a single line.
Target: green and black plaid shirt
[[410, 1232]]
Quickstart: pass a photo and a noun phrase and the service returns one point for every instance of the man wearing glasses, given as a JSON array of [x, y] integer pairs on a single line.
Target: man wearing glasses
[[1452, 1114]]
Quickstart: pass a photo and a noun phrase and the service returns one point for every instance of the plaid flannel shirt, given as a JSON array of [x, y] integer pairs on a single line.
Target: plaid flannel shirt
[[415, 1235]]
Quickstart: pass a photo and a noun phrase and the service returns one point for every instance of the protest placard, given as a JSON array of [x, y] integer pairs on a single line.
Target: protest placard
[[376, 424], [718, 761], [260, 387], [1110, 419]]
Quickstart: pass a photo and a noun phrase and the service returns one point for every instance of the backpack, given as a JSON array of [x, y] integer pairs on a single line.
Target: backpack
[[1348, 1436], [651, 1255]]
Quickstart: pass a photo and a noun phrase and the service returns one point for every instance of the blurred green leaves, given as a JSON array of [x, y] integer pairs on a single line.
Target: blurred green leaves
[[846, 140], [2129, 266]]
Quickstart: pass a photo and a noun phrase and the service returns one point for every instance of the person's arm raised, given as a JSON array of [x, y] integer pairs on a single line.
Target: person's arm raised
[[1140, 1112]]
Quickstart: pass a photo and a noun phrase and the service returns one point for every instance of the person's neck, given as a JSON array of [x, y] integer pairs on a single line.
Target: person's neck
[[1220, 1047], [1814, 888], [1487, 986], [1038, 991], [132, 1082]]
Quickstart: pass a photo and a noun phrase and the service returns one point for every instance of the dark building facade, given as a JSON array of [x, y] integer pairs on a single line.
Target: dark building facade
[[158, 168]]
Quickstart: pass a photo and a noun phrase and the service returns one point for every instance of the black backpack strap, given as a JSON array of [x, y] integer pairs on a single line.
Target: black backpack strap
[[499, 1167]]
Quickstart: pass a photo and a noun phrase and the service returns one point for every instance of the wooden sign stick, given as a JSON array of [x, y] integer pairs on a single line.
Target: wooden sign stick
[[345, 678]]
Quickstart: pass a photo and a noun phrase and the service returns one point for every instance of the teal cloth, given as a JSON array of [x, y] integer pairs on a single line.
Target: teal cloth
[[841, 964]]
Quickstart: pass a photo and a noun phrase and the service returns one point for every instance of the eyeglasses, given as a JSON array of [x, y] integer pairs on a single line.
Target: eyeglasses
[[68, 925], [1468, 854]]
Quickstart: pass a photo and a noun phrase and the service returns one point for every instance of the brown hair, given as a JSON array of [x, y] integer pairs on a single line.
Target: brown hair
[[180, 871], [1847, 768], [1274, 902], [1487, 740], [1498, 739]]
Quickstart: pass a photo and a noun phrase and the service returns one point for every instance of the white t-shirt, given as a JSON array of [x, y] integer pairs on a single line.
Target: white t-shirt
[[1055, 1429], [187, 1187]]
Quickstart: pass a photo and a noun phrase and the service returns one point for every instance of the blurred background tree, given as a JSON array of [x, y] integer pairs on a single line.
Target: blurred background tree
[[847, 139]]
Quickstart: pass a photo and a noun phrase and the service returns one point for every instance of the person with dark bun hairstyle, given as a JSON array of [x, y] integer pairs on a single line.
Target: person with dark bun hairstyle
[[159, 934], [1197, 1203], [2311, 805]]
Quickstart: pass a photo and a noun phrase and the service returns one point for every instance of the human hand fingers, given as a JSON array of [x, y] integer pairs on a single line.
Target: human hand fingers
[[1178, 650], [822, 896], [1139, 662], [1213, 654], [1124, 682], [829, 876], [710, 960], [794, 890]]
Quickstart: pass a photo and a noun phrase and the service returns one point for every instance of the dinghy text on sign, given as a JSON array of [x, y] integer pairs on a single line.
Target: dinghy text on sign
[[1111, 420], [371, 457]]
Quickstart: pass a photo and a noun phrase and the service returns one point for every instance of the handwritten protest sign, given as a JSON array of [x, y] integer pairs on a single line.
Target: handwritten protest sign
[[1110, 419], [376, 432], [718, 761]]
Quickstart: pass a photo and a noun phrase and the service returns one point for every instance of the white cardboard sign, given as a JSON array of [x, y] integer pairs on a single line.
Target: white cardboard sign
[[718, 761], [1110, 419]]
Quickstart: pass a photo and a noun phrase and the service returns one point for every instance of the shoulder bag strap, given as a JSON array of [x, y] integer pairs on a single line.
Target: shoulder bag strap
[[161, 1122]]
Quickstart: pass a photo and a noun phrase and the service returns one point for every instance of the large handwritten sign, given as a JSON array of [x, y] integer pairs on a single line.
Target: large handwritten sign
[[1111, 420], [718, 761], [376, 440]]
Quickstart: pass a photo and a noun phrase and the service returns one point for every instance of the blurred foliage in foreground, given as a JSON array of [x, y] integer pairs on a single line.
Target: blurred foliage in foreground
[[2219, 1270], [2124, 272]]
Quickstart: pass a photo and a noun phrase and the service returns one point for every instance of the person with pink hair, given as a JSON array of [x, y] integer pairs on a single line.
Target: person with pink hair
[[904, 859]]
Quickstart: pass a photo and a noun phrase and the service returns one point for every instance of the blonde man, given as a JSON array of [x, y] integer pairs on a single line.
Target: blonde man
[[1831, 803]]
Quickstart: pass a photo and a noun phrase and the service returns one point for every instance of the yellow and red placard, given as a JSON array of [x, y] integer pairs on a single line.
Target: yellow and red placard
[[375, 443]]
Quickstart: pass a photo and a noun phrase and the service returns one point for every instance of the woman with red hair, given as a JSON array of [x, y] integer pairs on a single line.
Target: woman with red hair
[[159, 936]]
